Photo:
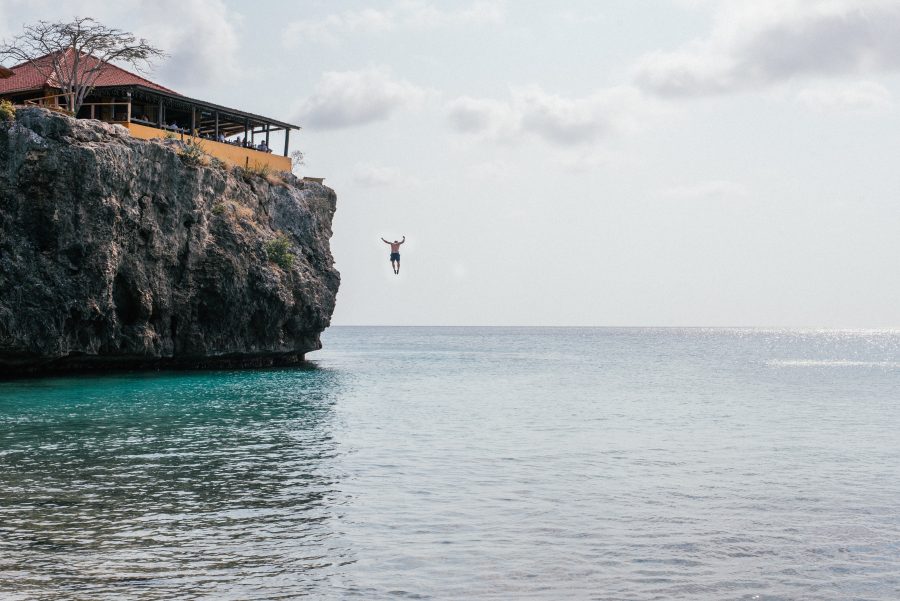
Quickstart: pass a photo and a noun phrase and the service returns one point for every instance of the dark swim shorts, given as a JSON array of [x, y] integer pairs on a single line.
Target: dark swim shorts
[[395, 256]]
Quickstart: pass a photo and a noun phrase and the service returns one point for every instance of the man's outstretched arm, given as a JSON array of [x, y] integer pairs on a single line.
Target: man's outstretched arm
[[385, 241], [403, 240]]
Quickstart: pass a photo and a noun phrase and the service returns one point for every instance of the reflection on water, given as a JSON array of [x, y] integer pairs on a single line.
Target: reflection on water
[[178, 484], [468, 463]]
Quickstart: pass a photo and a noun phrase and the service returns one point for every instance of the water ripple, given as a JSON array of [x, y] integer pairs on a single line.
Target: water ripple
[[467, 463]]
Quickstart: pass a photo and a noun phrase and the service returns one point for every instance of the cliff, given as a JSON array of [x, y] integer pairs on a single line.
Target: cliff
[[118, 252]]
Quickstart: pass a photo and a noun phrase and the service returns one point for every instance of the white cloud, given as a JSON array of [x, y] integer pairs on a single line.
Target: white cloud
[[459, 270], [492, 170], [378, 176], [693, 4], [349, 98], [710, 190], [693, 71], [560, 120], [755, 44], [859, 96], [481, 116], [409, 15], [6, 26], [563, 120], [200, 36], [578, 18], [586, 162], [333, 26], [422, 15]]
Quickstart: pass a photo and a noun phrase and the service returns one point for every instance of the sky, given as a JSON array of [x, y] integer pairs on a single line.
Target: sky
[[587, 163]]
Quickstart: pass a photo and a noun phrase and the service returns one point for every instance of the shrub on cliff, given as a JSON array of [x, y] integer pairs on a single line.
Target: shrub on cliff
[[255, 170], [279, 251], [192, 153], [7, 111]]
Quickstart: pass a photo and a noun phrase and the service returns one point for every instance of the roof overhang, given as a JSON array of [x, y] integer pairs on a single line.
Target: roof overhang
[[209, 106]]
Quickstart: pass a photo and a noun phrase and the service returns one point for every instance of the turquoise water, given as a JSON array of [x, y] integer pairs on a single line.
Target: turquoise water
[[468, 463]]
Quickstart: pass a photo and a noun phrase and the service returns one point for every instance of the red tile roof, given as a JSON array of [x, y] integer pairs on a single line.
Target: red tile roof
[[27, 77]]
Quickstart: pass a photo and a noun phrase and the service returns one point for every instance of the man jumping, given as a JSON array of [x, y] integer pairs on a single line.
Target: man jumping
[[395, 253]]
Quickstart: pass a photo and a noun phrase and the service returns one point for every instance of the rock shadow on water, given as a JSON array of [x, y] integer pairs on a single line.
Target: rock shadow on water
[[171, 481]]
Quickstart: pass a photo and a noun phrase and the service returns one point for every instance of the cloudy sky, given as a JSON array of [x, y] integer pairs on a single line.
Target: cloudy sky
[[637, 162]]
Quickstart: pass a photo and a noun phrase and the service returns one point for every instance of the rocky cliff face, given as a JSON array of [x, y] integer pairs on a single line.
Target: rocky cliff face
[[116, 253]]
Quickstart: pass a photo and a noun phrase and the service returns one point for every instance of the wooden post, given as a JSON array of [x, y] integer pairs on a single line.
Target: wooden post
[[246, 127], [217, 126], [287, 137], [129, 108], [159, 114], [193, 121], [93, 106], [267, 135]]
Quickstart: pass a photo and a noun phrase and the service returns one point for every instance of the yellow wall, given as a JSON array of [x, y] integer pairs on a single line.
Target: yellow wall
[[236, 155]]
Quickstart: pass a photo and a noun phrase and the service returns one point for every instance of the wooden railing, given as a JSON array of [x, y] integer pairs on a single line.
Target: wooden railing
[[44, 100], [52, 103], [46, 103]]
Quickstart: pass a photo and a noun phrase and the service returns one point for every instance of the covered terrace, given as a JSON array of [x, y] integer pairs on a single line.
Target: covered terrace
[[150, 110]]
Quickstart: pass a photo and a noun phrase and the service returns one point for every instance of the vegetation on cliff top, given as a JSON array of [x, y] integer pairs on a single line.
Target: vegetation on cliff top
[[7, 110]]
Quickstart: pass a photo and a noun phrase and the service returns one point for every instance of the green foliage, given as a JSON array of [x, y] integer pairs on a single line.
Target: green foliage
[[279, 251], [170, 136], [217, 163], [261, 170], [7, 110], [254, 170], [192, 153], [218, 208]]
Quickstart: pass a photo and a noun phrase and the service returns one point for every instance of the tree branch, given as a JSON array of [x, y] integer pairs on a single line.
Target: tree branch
[[75, 55]]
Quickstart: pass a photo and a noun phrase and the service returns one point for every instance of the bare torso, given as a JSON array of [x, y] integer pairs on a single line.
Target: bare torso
[[395, 246]]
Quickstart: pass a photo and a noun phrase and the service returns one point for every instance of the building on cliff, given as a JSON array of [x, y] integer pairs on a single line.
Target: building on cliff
[[149, 110], [116, 253]]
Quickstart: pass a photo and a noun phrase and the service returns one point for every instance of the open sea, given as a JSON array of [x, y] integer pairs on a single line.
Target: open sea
[[468, 463]]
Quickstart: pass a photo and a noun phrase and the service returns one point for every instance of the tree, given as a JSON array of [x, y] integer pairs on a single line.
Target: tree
[[298, 159], [74, 55]]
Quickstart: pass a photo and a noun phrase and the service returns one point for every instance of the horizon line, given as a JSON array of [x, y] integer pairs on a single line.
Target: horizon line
[[632, 327]]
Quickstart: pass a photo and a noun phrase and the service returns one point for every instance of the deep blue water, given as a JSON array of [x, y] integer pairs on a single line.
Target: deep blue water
[[468, 463]]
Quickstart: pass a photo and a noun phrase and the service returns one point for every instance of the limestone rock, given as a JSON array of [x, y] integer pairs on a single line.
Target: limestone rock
[[116, 253]]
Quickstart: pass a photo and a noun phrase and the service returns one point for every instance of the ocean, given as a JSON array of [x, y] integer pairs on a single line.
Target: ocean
[[468, 463]]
